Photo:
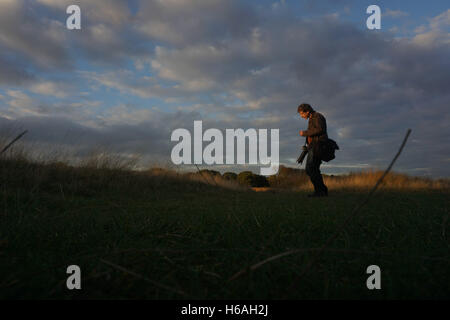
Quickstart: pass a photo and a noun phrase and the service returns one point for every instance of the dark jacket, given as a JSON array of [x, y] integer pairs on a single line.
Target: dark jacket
[[317, 129]]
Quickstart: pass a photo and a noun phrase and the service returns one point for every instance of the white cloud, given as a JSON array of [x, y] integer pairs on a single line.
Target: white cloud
[[125, 115], [441, 21], [435, 33], [189, 66], [50, 88], [20, 104], [19, 99], [277, 5], [123, 81], [395, 13], [261, 71], [12, 5]]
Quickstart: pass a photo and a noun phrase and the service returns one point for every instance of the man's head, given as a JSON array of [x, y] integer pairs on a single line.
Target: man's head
[[305, 110]]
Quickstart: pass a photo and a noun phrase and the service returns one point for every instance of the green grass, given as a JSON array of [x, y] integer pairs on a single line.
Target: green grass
[[183, 239]]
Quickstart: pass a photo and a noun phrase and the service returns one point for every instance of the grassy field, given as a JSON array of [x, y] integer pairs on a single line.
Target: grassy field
[[158, 236]]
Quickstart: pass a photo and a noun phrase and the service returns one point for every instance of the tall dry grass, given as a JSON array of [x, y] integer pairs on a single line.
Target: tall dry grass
[[367, 179], [40, 163], [25, 156]]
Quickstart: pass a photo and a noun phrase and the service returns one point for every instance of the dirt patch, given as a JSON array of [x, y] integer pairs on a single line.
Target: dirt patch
[[262, 189]]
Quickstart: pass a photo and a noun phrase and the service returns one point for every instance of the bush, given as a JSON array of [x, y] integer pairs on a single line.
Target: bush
[[259, 181], [245, 178], [273, 180], [252, 180], [230, 176], [208, 172]]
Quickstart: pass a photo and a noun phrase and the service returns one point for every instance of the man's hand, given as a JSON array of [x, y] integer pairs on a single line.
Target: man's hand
[[302, 133]]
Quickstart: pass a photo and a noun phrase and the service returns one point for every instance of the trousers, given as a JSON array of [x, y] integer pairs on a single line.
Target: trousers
[[313, 171]]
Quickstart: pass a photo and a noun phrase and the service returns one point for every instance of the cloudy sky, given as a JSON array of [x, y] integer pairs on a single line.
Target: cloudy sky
[[137, 70]]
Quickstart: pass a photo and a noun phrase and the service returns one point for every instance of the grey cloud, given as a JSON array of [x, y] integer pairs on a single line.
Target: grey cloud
[[182, 23], [370, 84], [26, 33], [13, 72], [323, 6], [82, 140], [35, 34], [108, 45]]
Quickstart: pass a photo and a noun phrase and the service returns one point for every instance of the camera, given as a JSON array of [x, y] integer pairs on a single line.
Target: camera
[[302, 155]]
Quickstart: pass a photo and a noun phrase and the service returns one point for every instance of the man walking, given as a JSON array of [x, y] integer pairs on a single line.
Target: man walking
[[316, 134]]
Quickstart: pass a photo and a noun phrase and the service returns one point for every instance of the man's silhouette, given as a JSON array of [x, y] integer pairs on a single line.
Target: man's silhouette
[[316, 134]]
